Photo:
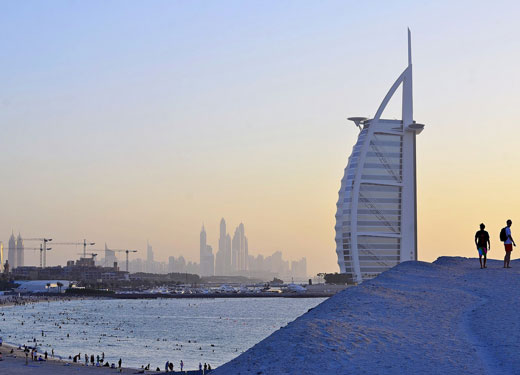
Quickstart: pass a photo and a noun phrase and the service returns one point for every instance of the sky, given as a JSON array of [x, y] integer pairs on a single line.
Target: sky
[[127, 121]]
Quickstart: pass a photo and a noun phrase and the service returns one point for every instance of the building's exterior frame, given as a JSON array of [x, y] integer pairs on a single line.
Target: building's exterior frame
[[376, 219]]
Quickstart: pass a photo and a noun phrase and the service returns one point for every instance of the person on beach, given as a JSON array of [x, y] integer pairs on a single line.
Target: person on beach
[[483, 244], [119, 363], [508, 244], [182, 365]]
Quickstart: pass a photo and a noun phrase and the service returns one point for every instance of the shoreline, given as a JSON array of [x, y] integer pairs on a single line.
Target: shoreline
[[14, 357]]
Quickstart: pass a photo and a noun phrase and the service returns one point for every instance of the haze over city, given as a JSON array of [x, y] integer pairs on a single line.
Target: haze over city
[[123, 123]]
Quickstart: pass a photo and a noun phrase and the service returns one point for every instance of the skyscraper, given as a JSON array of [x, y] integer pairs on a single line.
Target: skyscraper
[[223, 257], [20, 259], [239, 249], [207, 259], [11, 254], [110, 257], [376, 219]]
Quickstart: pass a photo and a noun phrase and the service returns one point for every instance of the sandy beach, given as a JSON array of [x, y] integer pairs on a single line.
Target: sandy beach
[[14, 363], [14, 360]]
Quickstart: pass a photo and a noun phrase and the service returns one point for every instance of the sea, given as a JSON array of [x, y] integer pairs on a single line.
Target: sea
[[150, 331]]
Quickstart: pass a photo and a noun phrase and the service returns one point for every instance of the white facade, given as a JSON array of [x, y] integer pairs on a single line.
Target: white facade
[[376, 219]]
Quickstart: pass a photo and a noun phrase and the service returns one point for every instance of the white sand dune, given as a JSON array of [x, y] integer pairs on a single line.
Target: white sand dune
[[417, 318]]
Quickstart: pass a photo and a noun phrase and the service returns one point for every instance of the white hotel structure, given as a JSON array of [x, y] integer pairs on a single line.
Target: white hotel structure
[[376, 219]]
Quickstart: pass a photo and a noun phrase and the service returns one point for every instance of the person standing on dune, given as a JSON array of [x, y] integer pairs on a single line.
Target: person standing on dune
[[483, 244], [508, 243]]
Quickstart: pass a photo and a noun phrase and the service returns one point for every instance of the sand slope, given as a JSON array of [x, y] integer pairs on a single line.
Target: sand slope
[[417, 318]]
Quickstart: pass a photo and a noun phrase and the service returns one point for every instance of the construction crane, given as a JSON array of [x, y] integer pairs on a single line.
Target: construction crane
[[126, 251], [120, 251], [44, 249], [41, 251], [85, 243]]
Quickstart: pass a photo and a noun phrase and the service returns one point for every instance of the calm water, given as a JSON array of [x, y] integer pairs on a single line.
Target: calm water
[[152, 331]]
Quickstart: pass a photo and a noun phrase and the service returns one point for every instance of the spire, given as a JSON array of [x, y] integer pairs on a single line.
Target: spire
[[409, 47]]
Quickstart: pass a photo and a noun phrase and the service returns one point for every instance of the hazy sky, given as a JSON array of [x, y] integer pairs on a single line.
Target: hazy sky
[[131, 120]]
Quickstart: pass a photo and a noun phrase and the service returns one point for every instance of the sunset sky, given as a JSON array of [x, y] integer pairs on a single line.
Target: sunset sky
[[124, 121]]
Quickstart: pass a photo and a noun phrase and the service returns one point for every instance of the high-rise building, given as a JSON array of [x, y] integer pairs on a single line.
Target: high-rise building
[[239, 250], [207, 259], [223, 257], [20, 259], [299, 268], [150, 266], [149, 252], [376, 219], [110, 257], [11, 253]]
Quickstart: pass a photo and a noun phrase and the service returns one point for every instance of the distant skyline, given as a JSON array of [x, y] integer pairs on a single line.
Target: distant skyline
[[128, 120]]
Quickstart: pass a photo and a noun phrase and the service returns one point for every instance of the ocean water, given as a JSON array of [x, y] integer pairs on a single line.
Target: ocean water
[[210, 331]]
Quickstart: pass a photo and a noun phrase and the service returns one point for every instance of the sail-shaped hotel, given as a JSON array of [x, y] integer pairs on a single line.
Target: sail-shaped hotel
[[376, 219]]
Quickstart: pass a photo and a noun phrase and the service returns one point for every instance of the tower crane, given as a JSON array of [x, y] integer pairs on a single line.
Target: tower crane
[[44, 249], [41, 251], [121, 251], [85, 243]]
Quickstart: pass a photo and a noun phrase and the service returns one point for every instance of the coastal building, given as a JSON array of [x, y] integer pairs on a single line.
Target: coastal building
[[223, 257], [376, 219], [207, 259], [239, 250], [110, 257], [299, 268], [11, 252], [20, 259]]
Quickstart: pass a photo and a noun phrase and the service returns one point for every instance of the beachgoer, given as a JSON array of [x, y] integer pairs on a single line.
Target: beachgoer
[[483, 244], [46, 355], [182, 365], [119, 363], [508, 244], [171, 366], [200, 367], [166, 366], [209, 367]]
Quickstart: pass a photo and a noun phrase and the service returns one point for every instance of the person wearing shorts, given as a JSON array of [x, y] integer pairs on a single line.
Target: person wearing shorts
[[508, 244], [483, 244]]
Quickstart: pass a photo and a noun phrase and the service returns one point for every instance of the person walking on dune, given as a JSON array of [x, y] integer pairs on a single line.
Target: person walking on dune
[[483, 244], [508, 243]]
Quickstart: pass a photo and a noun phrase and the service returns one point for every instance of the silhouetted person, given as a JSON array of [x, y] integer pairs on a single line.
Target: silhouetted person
[[119, 363], [483, 244], [508, 244]]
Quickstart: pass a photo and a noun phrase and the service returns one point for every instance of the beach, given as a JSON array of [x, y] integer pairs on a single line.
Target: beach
[[149, 331]]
